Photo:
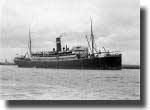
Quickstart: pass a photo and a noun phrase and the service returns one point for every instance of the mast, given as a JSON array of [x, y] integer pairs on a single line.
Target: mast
[[92, 37], [30, 51]]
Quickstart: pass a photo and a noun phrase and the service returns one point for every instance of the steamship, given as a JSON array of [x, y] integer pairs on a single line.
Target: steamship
[[79, 57]]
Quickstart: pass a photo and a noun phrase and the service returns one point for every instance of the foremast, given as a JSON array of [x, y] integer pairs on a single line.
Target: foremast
[[30, 46], [92, 38]]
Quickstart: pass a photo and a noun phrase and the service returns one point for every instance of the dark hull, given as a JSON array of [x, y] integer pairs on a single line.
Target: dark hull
[[111, 62]]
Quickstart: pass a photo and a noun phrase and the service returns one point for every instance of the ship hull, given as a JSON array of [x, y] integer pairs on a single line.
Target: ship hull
[[111, 62]]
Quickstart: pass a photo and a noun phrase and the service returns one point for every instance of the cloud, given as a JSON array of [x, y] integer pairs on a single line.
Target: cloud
[[116, 24]]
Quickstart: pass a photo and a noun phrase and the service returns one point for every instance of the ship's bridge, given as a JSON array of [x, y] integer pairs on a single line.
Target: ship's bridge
[[80, 50]]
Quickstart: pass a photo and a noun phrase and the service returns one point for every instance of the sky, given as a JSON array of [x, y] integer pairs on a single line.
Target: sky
[[116, 25]]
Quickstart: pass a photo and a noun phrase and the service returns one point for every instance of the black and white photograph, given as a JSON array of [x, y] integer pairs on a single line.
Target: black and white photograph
[[70, 50]]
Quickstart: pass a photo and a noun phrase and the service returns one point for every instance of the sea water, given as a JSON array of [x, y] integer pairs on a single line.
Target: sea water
[[68, 84]]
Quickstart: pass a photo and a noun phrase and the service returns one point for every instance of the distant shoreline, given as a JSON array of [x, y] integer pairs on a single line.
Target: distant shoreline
[[130, 66], [8, 63]]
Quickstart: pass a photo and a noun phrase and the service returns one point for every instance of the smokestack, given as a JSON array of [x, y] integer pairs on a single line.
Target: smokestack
[[58, 44]]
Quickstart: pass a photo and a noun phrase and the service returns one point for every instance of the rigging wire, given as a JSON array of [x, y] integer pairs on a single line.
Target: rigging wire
[[88, 43]]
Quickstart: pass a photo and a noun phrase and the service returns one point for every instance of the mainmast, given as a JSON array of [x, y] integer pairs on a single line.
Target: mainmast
[[92, 37], [30, 51]]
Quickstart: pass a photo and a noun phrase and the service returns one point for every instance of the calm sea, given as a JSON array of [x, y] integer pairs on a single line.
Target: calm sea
[[69, 84]]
